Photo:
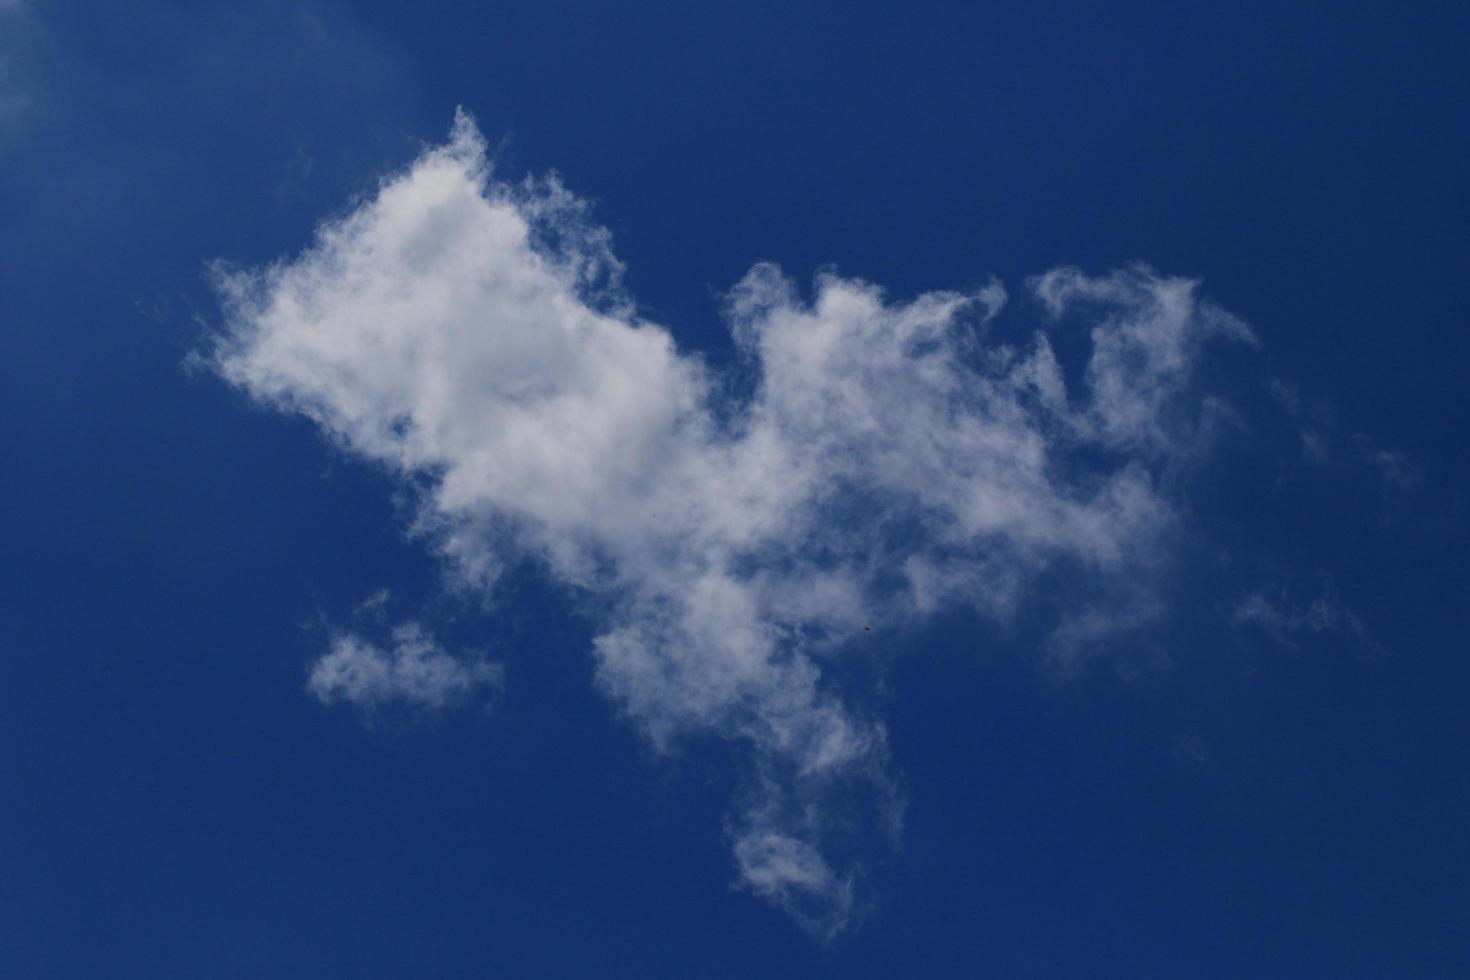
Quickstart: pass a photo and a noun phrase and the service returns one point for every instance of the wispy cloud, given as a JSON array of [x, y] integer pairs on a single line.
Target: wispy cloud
[[410, 670], [471, 336], [1323, 445], [1314, 420], [1286, 621], [1394, 468]]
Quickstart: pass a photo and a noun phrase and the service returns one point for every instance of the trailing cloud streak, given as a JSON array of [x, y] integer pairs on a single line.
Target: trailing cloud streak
[[470, 336]]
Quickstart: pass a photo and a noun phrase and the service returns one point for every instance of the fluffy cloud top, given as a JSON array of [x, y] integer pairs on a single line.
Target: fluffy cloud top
[[888, 460]]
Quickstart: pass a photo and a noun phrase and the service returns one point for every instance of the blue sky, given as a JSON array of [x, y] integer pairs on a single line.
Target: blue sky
[[732, 490]]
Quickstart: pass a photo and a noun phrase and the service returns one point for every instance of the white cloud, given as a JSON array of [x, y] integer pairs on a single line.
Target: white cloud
[[794, 874], [471, 336], [1394, 468], [412, 670], [1283, 620]]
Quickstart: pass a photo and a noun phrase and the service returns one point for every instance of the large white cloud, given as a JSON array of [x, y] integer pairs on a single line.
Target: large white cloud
[[889, 460]]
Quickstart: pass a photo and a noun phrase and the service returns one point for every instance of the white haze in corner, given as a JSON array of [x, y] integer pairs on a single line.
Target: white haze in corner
[[468, 335]]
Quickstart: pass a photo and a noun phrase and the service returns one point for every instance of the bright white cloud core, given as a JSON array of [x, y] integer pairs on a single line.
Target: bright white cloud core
[[889, 460]]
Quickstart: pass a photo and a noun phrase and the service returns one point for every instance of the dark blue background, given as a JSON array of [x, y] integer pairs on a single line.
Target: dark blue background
[[173, 804]]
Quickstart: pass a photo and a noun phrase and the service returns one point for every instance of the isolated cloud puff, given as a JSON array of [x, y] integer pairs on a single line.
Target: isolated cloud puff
[[882, 459], [412, 670], [1286, 621]]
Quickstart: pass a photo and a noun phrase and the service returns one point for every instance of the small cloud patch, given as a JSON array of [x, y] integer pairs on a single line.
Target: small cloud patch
[[411, 670]]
